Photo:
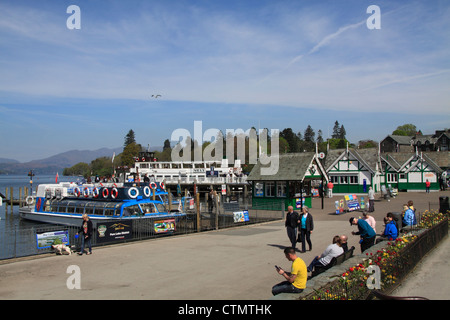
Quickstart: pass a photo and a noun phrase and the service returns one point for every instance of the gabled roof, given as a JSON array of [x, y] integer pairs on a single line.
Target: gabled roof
[[368, 157], [399, 160], [403, 140], [291, 167]]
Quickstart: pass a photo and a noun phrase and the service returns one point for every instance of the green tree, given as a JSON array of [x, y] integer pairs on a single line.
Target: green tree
[[342, 132], [166, 144], [336, 131], [101, 167], [129, 138], [129, 153], [80, 169], [405, 130]]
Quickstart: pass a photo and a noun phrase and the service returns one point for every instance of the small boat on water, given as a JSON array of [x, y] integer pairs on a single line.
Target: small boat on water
[[65, 203]]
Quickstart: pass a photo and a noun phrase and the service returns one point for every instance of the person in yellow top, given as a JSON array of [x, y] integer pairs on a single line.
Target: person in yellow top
[[295, 281]]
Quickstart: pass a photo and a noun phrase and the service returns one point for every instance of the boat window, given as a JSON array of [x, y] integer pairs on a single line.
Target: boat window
[[90, 208], [161, 207], [71, 207], [112, 209], [132, 211], [148, 208], [79, 207]]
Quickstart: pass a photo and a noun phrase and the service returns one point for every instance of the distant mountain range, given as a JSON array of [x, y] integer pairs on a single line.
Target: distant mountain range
[[58, 162]]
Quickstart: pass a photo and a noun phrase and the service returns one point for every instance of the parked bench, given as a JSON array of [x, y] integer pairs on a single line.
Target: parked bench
[[334, 262]]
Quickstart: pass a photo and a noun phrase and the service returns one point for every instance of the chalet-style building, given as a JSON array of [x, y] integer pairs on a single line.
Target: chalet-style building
[[353, 170], [296, 172]]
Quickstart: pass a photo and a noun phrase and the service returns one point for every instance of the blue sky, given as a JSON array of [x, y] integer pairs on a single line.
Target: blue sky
[[231, 64]]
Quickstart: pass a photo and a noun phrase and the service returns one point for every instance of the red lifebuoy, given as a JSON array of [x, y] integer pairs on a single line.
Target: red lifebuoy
[[161, 185], [77, 192], [86, 192], [114, 193], [105, 193], [153, 185], [95, 193]]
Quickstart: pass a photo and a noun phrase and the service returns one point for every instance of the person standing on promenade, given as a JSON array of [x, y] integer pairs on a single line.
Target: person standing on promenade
[[365, 231], [295, 281], [86, 232], [330, 189], [291, 224], [306, 227], [427, 186], [370, 220], [371, 196]]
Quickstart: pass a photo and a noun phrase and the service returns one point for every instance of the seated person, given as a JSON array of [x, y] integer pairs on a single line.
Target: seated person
[[390, 230], [332, 251], [294, 281], [409, 218]]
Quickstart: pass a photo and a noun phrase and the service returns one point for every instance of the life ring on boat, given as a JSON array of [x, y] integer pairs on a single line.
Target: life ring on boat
[[114, 193], [29, 200], [77, 191], [162, 186], [147, 191], [95, 192], [133, 192], [86, 192], [153, 185], [105, 193]]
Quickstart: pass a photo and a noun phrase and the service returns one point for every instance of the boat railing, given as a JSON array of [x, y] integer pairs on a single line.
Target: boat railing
[[206, 180]]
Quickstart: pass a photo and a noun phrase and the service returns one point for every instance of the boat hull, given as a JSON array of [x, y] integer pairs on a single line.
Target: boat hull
[[75, 220]]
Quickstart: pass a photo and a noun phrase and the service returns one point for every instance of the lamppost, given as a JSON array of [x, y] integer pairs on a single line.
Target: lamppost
[[31, 175]]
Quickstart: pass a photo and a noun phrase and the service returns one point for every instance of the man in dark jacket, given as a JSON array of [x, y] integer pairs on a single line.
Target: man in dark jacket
[[86, 234], [291, 224]]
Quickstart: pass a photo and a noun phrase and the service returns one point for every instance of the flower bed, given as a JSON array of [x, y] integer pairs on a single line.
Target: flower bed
[[393, 258]]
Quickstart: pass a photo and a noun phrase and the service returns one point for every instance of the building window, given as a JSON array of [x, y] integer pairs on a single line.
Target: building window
[[259, 189], [343, 180], [391, 177], [353, 179], [281, 189], [270, 189]]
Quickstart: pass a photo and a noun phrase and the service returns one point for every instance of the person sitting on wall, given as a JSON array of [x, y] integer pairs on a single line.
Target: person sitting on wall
[[390, 230], [332, 251], [409, 218], [295, 281]]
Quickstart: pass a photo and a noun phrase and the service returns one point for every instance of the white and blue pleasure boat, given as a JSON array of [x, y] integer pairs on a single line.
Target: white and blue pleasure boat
[[65, 203]]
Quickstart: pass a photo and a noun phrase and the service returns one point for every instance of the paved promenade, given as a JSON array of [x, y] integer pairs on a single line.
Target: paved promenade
[[231, 264]]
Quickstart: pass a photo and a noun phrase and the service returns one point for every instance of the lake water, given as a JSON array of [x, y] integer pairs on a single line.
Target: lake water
[[10, 223]]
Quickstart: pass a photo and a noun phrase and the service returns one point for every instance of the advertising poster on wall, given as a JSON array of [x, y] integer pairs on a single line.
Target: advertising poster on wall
[[241, 216], [298, 204], [113, 231], [352, 202], [164, 226], [46, 239]]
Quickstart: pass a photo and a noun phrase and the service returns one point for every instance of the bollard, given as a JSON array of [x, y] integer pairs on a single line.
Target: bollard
[[197, 203]]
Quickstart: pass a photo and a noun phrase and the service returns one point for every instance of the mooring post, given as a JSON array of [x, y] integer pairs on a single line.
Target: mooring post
[[216, 199], [197, 203]]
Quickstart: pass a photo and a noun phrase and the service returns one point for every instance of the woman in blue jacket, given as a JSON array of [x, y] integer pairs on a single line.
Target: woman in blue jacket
[[390, 231]]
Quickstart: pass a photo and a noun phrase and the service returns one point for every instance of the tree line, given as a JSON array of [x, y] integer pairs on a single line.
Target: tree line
[[289, 142]]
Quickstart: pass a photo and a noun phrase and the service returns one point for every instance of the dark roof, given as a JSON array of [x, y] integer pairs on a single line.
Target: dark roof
[[403, 140], [291, 167], [368, 157]]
